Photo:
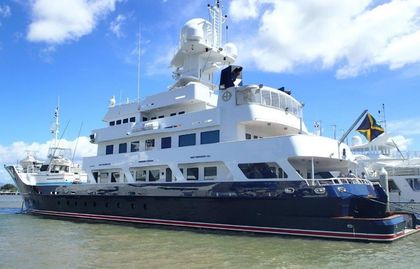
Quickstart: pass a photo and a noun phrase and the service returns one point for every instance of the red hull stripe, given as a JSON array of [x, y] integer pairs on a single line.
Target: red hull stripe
[[284, 231]]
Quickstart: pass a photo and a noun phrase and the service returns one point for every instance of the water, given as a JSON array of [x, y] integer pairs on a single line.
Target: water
[[35, 242]]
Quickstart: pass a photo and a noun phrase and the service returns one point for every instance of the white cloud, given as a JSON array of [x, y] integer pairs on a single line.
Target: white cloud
[[402, 142], [243, 9], [13, 153], [115, 25], [351, 36], [55, 22], [406, 127], [5, 11], [161, 63]]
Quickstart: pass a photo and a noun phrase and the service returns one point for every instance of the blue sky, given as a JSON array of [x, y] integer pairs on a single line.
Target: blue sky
[[338, 57]]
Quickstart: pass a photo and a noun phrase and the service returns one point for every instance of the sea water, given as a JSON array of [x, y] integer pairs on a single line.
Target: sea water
[[36, 242]]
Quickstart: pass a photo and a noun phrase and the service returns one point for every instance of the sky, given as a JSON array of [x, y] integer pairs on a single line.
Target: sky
[[337, 57]]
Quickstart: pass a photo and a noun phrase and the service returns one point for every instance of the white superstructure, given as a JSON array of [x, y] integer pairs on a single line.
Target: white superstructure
[[403, 171], [196, 131]]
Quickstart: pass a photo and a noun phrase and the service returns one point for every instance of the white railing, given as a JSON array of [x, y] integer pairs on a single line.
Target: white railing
[[340, 181], [269, 98]]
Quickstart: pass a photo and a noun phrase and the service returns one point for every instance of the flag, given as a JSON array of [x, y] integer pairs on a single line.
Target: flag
[[369, 128]]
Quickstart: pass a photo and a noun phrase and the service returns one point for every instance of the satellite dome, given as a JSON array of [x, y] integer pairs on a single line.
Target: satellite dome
[[356, 140], [193, 30], [231, 50]]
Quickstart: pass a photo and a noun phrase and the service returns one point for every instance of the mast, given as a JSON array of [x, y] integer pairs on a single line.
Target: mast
[[56, 125], [138, 64], [217, 20]]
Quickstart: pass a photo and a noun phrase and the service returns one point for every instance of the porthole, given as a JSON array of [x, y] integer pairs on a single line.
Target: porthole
[[144, 206], [118, 205], [68, 203], [85, 203], [132, 206], [75, 203], [106, 204], [94, 204]]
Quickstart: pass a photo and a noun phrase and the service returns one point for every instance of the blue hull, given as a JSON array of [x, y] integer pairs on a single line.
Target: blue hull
[[261, 207]]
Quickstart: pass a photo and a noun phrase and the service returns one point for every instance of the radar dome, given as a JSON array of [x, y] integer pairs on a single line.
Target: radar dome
[[231, 50], [193, 30], [356, 140]]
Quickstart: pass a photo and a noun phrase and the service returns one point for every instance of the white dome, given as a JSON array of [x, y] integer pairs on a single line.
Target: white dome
[[193, 30], [231, 50], [356, 140]]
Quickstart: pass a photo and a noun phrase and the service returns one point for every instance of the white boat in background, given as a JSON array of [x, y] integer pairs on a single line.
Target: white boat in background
[[382, 156], [58, 168]]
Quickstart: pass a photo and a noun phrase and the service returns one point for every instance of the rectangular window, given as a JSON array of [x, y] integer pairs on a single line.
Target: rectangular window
[[135, 146], [262, 170], [145, 119], [118, 122], [112, 123], [103, 178], [210, 137], [192, 173], [122, 148], [96, 176], [153, 118], [210, 173], [255, 136], [133, 119], [186, 140], [140, 175], [109, 149], [154, 175], [414, 183], [168, 175], [125, 120], [150, 144], [248, 136], [166, 142], [182, 112], [173, 114], [160, 117], [115, 176]]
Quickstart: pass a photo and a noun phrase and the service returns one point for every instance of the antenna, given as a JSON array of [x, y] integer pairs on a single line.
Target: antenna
[[56, 128], [138, 64], [77, 142], [383, 110]]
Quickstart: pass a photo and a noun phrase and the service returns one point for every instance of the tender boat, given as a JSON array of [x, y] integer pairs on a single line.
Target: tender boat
[[226, 157]]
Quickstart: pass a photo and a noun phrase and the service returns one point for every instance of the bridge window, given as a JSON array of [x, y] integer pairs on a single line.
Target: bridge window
[[186, 140], [210, 137], [125, 120], [112, 123], [118, 122], [133, 119]]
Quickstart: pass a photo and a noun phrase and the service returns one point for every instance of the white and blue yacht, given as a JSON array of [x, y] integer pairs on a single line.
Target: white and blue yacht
[[225, 156]]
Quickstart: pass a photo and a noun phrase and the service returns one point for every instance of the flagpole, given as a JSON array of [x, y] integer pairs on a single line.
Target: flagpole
[[352, 126]]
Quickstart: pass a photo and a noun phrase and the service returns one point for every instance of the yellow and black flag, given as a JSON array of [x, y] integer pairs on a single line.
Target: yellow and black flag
[[369, 128]]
